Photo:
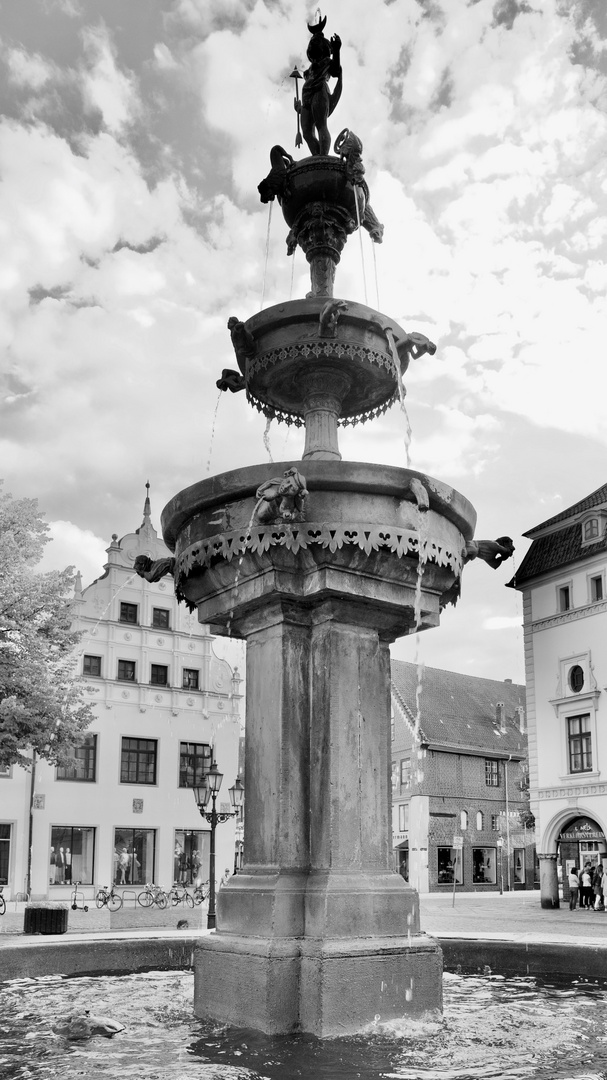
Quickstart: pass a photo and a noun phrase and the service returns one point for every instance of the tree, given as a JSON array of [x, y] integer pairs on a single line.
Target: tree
[[41, 700]]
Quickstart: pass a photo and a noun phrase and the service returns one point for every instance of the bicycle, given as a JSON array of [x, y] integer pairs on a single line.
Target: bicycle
[[108, 897], [180, 895], [76, 895], [200, 895], [153, 894], [2, 901]]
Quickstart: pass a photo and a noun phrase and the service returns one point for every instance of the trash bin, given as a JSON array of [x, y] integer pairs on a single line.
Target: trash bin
[[45, 919]]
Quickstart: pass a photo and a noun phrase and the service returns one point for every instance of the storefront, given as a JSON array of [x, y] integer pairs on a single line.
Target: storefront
[[581, 841]]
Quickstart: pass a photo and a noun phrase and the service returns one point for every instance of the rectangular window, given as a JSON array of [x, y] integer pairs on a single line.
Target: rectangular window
[[126, 670], [6, 771], [191, 857], [596, 588], [484, 866], [403, 817], [5, 852], [138, 761], [194, 763], [134, 856], [190, 678], [564, 595], [580, 743], [394, 775], [492, 772], [519, 866], [128, 612], [160, 618], [83, 765], [591, 529], [159, 675], [495, 823], [91, 665], [71, 855], [450, 866], [405, 772]]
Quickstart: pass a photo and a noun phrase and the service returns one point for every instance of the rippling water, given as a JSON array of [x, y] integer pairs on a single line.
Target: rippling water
[[513, 1029]]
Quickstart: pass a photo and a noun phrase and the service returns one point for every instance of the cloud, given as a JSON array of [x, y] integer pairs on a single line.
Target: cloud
[[73, 546], [502, 622], [105, 87]]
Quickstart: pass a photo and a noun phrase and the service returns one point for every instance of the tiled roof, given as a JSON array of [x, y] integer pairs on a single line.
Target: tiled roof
[[555, 550], [596, 498], [461, 710]]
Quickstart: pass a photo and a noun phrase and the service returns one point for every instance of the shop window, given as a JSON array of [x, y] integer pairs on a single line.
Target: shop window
[[5, 852], [126, 670], [138, 761], [519, 866], [449, 866], [191, 678], [194, 763], [83, 763], [405, 772], [484, 863], [480, 821], [159, 675], [576, 678], [564, 598], [191, 857], [128, 613], [403, 817], [91, 665], [71, 855], [596, 588], [160, 618], [492, 772], [579, 743], [134, 856]]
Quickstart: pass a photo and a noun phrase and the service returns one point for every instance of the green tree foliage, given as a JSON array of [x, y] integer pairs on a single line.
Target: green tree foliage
[[41, 702]]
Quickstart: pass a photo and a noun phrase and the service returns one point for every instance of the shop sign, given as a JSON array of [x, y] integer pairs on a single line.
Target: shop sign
[[583, 830]]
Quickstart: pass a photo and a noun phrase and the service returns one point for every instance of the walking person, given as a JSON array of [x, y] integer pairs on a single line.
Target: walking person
[[597, 886], [604, 888], [574, 887], [586, 888]]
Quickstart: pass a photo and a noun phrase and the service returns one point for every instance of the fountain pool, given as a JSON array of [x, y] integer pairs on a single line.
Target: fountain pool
[[514, 1029]]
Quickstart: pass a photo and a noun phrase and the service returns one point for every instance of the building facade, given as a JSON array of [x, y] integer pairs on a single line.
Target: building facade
[[459, 782], [123, 811], [563, 580]]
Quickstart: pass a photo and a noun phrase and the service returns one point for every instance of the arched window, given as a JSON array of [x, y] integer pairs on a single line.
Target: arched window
[[480, 823], [463, 819]]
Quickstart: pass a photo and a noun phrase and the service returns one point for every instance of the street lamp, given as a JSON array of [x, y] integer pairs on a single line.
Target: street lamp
[[204, 792]]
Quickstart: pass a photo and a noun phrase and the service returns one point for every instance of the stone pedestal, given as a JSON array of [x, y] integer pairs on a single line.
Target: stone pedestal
[[317, 932], [549, 882]]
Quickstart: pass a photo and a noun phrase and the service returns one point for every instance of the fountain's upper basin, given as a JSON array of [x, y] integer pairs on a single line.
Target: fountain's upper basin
[[295, 338], [321, 179], [358, 542]]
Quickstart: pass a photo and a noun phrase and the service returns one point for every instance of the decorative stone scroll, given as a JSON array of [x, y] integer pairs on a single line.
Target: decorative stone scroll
[[332, 535]]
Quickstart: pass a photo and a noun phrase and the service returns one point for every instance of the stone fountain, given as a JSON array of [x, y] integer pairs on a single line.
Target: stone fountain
[[319, 564]]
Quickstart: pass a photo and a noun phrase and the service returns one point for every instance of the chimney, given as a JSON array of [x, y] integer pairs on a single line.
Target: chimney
[[500, 710], [508, 681]]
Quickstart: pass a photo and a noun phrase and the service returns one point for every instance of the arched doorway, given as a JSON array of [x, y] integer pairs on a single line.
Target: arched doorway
[[580, 841]]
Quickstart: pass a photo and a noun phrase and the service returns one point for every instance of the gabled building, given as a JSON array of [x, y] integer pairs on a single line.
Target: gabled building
[[123, 811], [459, 781], [563, 579]]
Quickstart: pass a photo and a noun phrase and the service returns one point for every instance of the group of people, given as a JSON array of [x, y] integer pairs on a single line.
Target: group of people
[[589, 886]]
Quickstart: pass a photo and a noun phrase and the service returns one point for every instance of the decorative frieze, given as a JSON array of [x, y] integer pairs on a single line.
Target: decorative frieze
[[570, 616], [572, 790]]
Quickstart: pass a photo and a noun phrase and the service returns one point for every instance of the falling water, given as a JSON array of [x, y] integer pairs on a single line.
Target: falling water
[[360, 237], [265, 265], [266, 438], [292, 273], [208, 469], [421, 497], [93, 629], [376, 277], [245, 538], [401, 392]]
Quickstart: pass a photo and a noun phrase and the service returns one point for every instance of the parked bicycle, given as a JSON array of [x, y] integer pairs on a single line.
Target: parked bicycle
[[201, 893], [78, 903], [2, 901], [180, 895], [108, 898], [153, 894]]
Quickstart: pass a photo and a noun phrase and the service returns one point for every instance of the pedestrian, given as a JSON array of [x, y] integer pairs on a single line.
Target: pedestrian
[[597, 886], [574, 886], [586, 888], [604, 887]]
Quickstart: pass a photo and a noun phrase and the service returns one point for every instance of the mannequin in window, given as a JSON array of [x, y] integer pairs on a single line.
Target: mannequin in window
[[68, 866]]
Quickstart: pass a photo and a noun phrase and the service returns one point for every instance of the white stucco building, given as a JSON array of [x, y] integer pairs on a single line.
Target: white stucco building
[[124, 810], [563, 582]]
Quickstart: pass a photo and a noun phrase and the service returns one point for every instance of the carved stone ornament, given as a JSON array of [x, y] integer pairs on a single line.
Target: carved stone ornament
[[281, 498], [493, 552], [317, 101], [153, 570]]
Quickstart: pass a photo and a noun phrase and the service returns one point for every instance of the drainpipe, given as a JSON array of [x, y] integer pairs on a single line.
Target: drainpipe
[[507, 820], [30, 839]]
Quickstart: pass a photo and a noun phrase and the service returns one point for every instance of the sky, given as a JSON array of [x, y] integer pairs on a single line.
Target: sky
[[132, 139]]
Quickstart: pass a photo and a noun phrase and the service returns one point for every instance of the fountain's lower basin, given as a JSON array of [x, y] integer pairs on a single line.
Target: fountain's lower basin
[[491, 1027]]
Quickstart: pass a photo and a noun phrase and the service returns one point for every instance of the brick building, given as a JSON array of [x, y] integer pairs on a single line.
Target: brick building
[[459, 770]]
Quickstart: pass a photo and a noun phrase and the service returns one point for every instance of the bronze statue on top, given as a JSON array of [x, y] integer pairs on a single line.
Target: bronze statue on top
[[317, 102]]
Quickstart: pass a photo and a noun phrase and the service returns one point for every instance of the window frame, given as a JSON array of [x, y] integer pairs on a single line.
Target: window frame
[[585, 744], [142, 757], [127, 678], [192, 671], [199, 771], [446, 875], [488, 852], [491, 772], [403, 817], [127, 609], [405, 773], [91, 674], [81, 746], [593, 581], [564, 587], [166, 625], [155, 669], [79, 874]]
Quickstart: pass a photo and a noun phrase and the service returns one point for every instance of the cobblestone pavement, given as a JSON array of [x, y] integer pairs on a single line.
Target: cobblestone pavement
[[515, 915]]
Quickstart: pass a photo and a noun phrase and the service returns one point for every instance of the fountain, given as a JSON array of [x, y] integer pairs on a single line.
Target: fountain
[[319, 565]]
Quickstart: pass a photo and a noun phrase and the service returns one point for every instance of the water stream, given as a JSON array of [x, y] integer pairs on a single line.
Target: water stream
[[401, 391], [208, 469], [511, 1029]]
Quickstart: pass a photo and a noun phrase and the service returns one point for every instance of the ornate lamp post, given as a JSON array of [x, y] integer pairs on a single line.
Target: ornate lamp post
[[203, 792]]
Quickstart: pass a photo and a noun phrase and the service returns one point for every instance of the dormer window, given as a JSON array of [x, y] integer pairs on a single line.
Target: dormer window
[[590, 530]]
